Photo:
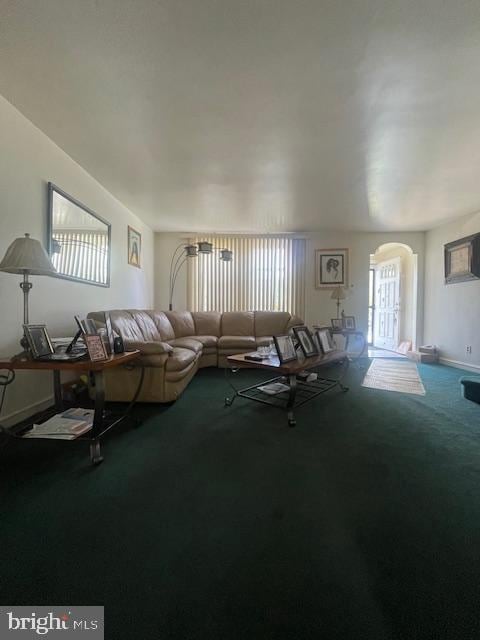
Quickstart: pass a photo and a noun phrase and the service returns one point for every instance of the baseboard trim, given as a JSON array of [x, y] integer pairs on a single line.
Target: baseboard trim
[[460, 365], [22, 414]]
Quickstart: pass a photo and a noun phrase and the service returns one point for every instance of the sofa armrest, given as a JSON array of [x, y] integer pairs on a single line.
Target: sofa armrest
[[148, 348]]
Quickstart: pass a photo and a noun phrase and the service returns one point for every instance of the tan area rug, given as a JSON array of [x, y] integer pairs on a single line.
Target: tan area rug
[[394, 375]]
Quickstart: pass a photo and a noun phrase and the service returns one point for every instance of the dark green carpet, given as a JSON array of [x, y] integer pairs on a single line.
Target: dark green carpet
[[213, 522]]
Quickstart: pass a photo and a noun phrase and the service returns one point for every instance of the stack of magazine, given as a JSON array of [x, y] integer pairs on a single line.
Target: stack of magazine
[[63, 426]]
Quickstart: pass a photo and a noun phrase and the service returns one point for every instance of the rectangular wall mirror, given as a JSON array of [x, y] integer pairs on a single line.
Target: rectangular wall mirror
[[78, 239]]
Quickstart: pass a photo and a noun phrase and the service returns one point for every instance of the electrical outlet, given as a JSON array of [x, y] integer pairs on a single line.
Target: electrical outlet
[[469, 348]]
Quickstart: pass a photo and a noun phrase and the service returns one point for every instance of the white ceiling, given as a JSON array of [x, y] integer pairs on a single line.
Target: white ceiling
[[258, 115]]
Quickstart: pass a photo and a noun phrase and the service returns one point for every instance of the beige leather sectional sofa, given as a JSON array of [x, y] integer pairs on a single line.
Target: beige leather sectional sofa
[[175, 344]]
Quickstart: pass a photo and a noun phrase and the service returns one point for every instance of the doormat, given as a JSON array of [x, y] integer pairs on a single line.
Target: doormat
[[391, 375]]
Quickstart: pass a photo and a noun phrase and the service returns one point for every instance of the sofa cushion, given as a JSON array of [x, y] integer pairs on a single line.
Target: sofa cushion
[[180, 359], [207, 323], [125, 325], [208, 342], [182, 323], [271, 323], [163, 325], [238, 323], [146, 325], [236, 342], [187, 343], [148, 348]]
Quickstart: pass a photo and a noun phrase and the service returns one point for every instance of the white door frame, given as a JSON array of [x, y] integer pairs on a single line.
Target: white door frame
[[397, 311]]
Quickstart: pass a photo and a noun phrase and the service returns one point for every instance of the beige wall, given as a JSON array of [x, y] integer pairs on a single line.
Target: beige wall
[[452, 311], [28, 160], [319, 307]]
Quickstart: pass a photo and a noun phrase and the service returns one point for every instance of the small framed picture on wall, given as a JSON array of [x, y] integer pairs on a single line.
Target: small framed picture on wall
[[134, 248], [331, 268]]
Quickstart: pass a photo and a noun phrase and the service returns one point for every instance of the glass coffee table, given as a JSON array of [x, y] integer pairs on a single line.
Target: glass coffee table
[[296, 390]]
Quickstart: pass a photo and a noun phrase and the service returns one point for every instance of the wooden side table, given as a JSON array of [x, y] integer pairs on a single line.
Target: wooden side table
[[100, 426]]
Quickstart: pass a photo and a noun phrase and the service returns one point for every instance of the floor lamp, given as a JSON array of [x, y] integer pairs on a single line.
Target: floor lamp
[[26, 257], [185, 252]]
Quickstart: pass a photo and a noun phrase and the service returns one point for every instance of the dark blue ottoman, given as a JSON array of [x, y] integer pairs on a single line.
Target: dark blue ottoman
[[471, 389]]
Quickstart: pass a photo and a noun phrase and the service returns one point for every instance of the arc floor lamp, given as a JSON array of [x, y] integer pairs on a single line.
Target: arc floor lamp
[[186, 251]]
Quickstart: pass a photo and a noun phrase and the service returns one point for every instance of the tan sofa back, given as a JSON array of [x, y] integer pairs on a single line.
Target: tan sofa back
[[182, 323], [238, 323], [207, 323]]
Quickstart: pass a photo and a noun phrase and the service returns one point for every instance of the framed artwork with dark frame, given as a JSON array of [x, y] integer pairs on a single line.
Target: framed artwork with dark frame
[[331, 268], [349, 323], [337, 324], [285, 348], [38, 340], [306, 341], [462, 259], [134, 248]]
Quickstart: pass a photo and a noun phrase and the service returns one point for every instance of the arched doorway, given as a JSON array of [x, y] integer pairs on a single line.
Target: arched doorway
[[393, 297]]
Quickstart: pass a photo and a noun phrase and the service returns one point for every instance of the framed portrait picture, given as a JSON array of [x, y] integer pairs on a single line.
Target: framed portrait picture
[[305, 340], [337, 323], [349, 323], [285, 348], [331, 268], [96, 348], [325, 339], [38, 340], [134, 248], [462, 259]]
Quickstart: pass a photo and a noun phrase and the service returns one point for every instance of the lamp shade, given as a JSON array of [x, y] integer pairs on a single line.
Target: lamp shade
[[191, 250], [338, 294], [205, 247], [26, 255], [226, 255]]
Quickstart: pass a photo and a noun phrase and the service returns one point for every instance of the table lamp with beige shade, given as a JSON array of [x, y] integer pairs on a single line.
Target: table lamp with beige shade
[[26, 257]]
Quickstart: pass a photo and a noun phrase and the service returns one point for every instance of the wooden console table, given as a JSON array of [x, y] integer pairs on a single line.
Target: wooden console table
[[299, 392], [100, 426]]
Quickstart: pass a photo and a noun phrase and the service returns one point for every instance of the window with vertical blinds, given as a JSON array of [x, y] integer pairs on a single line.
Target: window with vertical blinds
[[267, 273]]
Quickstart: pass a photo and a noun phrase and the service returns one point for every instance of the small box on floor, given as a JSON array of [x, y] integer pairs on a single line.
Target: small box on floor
[[426, 357]]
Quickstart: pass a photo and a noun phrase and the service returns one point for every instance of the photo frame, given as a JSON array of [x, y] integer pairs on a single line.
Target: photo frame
[[462, 259], [337, 324], [349, 323], [305, 340], [285, 348], [38, 340], [96, 348], [134, 248], [331, 268], [325, 339]]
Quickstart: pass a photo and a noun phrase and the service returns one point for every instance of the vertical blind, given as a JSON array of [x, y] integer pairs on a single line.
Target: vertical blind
[[266, 274]]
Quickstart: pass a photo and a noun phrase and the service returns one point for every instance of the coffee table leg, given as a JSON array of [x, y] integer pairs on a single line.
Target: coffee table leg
[[229, 399], [292, 381], [95, 455]]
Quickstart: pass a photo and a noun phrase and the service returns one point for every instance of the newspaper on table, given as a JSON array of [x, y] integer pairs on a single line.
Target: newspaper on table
[[63, 426], [274, 388]]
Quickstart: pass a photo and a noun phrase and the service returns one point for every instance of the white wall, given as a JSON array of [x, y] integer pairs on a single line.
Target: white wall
[[452, 311], [28, 160], [319, 308]]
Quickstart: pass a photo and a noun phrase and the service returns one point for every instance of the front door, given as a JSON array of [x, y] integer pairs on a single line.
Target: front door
[[387, 304]]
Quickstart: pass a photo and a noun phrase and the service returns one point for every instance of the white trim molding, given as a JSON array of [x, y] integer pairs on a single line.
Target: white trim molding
[[25, 412], [460, 365]]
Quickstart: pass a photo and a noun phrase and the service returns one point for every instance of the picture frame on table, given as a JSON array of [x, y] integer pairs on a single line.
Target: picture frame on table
[[285, 348], [306, 341], [38, 339], [95, 347], [331, 268], [337, 324], [325, 339], [349, 323]]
